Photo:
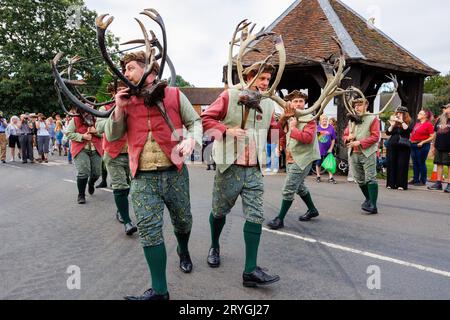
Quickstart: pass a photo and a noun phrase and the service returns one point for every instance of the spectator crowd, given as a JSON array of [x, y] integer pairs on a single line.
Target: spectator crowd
[[32, 137]]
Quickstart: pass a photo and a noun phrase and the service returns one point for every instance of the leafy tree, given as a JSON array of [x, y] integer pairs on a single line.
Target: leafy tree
[[435, 83], [439, 86], [181, 83], [32, 32]]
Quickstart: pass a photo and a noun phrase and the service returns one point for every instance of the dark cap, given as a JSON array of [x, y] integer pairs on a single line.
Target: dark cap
[[253, 69], [360, 100], [401, 109], [296, 94]]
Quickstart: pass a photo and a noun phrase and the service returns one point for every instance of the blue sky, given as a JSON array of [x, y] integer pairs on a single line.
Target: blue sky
[[199, 30]]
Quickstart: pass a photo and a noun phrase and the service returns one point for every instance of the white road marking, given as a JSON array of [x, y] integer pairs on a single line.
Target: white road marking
[[291, 235], [343, 248], [363, 253], [103, 189]]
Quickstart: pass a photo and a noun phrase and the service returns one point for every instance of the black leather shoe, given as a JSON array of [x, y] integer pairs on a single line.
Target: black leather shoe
[[371, 209], [81, 199], [130, 229], [185, 262], [214, 258], [101, 185], [366, 206], [309, 215], [91, 188], [276, 224], [148, 295], [258, 278], [119, 218]]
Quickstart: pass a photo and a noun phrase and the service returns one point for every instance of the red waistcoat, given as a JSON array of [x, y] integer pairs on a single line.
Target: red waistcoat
[[76, 146], [138, 128], [113, 148]]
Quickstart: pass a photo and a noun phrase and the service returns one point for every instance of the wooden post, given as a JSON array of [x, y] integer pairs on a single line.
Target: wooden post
[[414, 91], [371, 93], [314, 92]]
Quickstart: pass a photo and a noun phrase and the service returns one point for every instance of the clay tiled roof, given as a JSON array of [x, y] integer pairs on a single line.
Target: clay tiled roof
[[202, 96], [308, 26]]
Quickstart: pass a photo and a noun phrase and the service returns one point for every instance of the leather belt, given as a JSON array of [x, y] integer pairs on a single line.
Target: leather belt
[[161, 169]]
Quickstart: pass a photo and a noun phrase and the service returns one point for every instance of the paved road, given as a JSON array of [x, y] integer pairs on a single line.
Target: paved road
[[43, 232]]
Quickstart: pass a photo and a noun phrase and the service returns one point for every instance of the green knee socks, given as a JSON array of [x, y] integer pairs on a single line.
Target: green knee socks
[[183, 240], [81, 184], [308, 201], [252, 236], [365, 190], [157, 259], [373, 193], [216, 229], [121, 199], [285, 206]]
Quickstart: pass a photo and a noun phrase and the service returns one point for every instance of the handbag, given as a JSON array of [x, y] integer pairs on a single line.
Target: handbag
[[404, 142]]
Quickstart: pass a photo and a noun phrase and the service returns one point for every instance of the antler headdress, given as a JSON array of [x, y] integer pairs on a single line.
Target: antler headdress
[[65, 86]]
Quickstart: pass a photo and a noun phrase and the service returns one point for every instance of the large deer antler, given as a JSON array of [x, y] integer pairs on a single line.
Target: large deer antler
[[359, 94], [155, 42], [355, 93], [65, 86], [249, 98], [149, 52], [246, 38], [61, 86], [234, 42], [74, 84], [335, 72]]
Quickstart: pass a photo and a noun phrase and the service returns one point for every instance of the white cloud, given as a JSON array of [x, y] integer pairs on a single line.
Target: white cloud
[[199, 30]]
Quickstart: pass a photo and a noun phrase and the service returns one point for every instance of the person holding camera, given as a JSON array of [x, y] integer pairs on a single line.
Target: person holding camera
[[399, 149], [26, 138], [33, 123], [3, 126], [43, 138]]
